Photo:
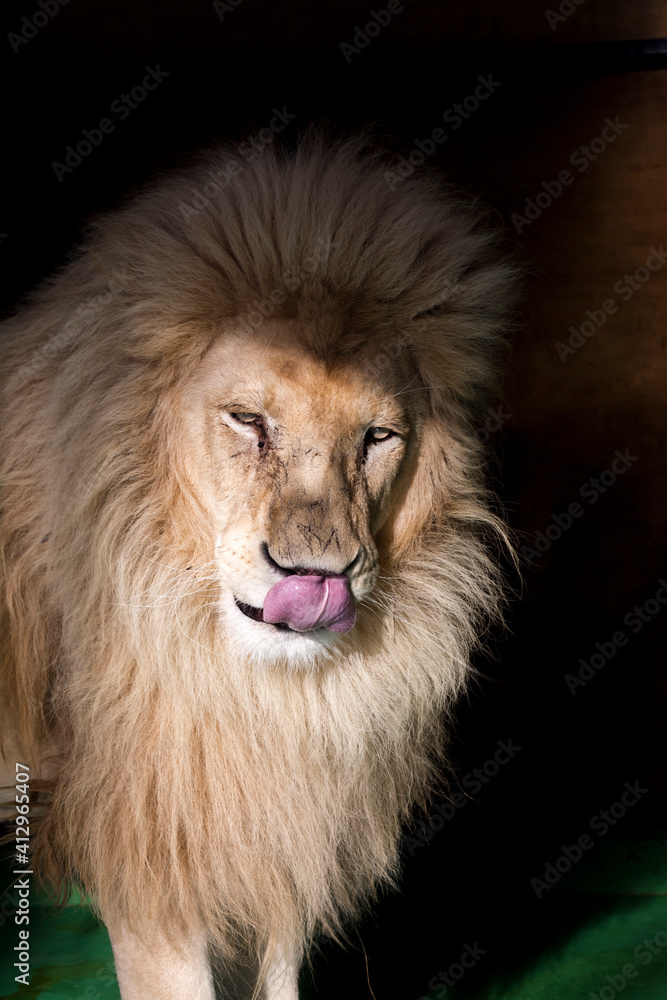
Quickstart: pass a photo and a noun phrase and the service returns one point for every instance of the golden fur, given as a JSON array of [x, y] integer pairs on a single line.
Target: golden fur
[[197, 785]]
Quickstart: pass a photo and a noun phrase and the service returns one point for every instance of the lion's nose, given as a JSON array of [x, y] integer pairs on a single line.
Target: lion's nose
[[323, 567]]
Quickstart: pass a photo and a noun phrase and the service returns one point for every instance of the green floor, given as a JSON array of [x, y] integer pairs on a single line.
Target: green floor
[[600, 958], [70, 955], [621, 948]]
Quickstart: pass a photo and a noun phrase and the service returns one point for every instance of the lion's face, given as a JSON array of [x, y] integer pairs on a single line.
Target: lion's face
[[298, 461]]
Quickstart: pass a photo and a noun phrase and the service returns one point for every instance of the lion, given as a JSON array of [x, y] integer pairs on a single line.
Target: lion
[[247, 548]]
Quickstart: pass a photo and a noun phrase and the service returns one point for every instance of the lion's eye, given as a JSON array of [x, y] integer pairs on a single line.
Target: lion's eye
[[379, 434], [246, 418]]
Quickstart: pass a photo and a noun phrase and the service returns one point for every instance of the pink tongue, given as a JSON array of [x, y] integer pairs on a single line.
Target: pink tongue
[[305, 602]]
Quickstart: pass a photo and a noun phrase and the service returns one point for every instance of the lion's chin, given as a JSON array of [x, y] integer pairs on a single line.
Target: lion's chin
[[269, 645]]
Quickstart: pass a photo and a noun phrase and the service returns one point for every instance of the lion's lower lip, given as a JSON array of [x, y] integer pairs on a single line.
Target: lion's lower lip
[[250, 612], [256, 615]]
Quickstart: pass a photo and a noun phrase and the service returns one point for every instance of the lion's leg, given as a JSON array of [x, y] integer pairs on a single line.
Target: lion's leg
[[282, 980], [155, 970]]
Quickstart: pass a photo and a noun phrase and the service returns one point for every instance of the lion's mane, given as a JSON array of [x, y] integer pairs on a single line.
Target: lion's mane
[[192, 790]]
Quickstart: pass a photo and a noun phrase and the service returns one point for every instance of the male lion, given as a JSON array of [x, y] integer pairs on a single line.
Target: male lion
[[243, 548]]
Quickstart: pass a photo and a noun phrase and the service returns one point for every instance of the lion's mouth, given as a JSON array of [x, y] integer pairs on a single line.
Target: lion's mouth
[[306, 603], [257, 615]]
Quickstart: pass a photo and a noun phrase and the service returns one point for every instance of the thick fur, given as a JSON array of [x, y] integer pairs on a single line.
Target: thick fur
[[195, 787]]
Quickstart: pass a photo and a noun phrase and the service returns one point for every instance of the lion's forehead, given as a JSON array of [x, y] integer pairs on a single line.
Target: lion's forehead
[[271, 371]]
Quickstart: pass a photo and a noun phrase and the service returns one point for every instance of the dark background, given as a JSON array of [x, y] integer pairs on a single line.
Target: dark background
[[562, 422]]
